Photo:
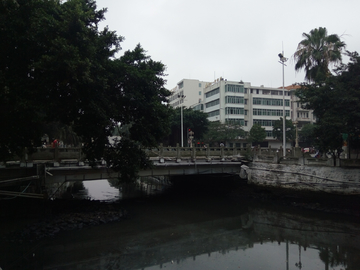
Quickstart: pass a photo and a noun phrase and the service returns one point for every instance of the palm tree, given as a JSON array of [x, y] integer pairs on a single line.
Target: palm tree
[[316, 52]]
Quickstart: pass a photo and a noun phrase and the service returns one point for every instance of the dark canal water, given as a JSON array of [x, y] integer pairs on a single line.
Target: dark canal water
[[187, 229]]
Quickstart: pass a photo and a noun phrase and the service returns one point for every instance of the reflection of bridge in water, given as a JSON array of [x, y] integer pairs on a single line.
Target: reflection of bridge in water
[[175, 243]]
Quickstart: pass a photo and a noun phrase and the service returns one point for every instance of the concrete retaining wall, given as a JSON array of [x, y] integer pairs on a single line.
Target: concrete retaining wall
[[305, 177]]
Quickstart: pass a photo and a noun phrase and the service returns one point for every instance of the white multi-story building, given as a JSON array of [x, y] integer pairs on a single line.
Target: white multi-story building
[[187, 93], [240, 102]]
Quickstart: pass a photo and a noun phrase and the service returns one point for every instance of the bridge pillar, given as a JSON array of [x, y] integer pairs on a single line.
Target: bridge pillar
[[161, 153], [80, 158], [297, 151], [249, 151], [56, 156], [193, 154], [222, 155], [178, 153], [26, 159], [208, 158], [279, 154]]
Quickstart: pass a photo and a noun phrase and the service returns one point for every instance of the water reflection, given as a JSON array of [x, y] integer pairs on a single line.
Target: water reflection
[[201, 234], [101, 190], [107, 190]]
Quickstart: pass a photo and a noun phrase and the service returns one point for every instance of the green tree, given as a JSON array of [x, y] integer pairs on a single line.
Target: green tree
[[257, 134], [306, 134], [329, 137], [219, 132], [57, 66], [289, 130], [195, 120], [336, 105], [316, 52]]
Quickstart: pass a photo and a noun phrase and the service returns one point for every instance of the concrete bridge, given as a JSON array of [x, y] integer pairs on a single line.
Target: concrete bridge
[[48, 166], [297, 170], [62, 156]]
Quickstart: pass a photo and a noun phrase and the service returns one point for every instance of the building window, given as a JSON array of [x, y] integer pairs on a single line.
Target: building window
[[199, 93], [231, 110], [234, 88], [181, 85], [212, 103], [270, 112], [257, 91], [251, 91], [198, 107], [199, 84], [270, 102], [264, 122], [235, 121], [213, 113], [246, 123], [212, 92], [245, 101], [234, 100]]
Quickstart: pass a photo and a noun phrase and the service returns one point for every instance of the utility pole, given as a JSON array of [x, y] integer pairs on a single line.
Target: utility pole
[[282, 62]]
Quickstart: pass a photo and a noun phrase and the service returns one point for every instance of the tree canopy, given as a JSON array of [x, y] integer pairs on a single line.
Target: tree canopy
[[195, 120], [316, 52], [257, 134], [306, 134], [289, 130], [219, 132], [56, 65], [336, 104]]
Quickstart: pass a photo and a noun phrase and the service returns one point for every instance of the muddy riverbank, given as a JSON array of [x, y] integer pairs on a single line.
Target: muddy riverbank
[[36, 220]]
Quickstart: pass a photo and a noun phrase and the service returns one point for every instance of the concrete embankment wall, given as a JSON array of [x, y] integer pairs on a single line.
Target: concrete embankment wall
[[335, 180]]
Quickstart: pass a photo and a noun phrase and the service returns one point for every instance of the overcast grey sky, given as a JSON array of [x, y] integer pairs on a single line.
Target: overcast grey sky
[[233, 39]]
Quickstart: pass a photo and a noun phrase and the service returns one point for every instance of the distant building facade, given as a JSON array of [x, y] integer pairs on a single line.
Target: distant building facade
[[238, 102], [187, 93]]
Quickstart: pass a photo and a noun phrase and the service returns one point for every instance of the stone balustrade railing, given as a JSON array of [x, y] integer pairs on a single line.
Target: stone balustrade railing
[[75, 153], [179, 153], [163, 153]]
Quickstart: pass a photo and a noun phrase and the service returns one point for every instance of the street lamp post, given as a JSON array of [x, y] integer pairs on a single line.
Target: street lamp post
[[282, 62], [182, 124]]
